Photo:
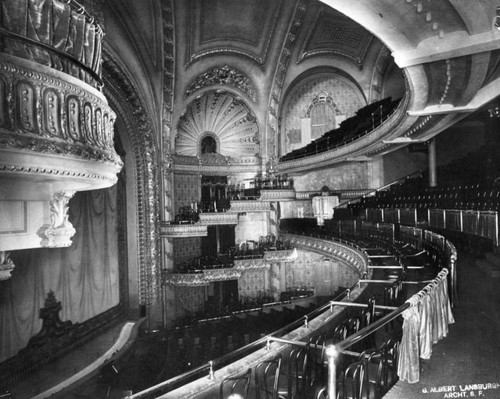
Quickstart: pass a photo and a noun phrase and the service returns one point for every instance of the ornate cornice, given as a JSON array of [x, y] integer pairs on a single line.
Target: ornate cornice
[[223, 76], [249, 206], [219, 218], [183, 230], [352, 257], [285, 194]]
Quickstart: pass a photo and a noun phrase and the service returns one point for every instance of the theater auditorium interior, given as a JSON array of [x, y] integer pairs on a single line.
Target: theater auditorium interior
[[293, 199]]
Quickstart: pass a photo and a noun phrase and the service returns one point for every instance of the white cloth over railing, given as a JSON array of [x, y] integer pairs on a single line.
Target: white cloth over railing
[[425, 323]]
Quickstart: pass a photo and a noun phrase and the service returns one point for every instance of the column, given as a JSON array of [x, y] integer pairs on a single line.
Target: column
[[431, 150]]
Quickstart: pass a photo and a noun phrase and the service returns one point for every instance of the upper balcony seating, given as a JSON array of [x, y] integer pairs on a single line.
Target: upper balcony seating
[[366, 120], [471, 197]]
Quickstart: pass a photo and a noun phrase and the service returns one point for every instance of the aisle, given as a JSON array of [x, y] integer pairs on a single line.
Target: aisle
[[466, 364]]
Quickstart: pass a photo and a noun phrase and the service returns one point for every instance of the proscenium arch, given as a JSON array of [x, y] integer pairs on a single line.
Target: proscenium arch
[[134, 127]]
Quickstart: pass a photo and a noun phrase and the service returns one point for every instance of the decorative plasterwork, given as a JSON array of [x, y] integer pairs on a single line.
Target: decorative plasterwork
[[352, 257], [270, 149], [59, 232], [223, 115], [249, 206], [216, 27], [251, 264], [126, 102], [219, 218], [286, 255], [334, 34], [6, 265], [223, 76], [277, 195], [54, 125], [216, 166], [201, 279], [183, 230]]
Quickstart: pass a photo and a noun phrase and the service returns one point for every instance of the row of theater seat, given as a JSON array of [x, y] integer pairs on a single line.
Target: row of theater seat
[[366, 120], [470, 197]]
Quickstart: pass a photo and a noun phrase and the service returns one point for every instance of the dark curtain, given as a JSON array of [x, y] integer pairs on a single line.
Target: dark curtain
[[84, 276]]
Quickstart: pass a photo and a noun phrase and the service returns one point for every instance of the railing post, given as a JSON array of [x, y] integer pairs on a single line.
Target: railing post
[[331, 356]]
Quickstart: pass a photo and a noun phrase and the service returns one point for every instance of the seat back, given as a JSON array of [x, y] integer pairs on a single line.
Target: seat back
[[267, 375], [235, 384], [354, 383]]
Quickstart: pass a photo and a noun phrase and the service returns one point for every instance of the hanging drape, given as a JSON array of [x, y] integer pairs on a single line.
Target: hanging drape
[[84, 277], [424, 324], [408, 363]]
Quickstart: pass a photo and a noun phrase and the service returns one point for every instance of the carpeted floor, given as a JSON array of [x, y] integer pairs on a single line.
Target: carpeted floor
[[466, 364]]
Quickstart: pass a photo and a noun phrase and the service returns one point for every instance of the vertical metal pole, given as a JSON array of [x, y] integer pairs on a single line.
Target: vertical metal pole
[[331, 356], [432, 163]]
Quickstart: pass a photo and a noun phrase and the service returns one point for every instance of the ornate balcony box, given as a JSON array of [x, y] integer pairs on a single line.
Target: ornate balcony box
[[218, 218], [249, 206], [202, 279], [183, 230], [282, 194]]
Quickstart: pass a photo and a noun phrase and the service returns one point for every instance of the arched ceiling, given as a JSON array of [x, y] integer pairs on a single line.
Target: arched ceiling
[[445, 49]]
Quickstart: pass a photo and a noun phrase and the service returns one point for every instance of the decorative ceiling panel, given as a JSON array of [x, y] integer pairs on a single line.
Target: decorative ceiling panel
[[223, 116], [231, 26], [335, 34]]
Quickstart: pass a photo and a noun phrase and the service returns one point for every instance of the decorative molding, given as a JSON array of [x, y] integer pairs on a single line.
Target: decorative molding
[[225, 116], [334, 34], [195, 50], [201, 279], [285, 194], [6, 265], [194, 164], [59, 232], [138, 126], [272, 126], [13, 141], [351, 256], [249, 206], [219, 218], [251, 264], [183, 230], [286, 255], [50, 172], [214, 159], [223, 76]]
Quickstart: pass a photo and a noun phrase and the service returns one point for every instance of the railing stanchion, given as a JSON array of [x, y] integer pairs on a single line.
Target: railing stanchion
[[331, 356]]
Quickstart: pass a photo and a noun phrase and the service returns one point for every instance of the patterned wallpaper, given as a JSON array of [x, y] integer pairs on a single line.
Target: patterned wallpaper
[[251, 284], [189, 299], [347, 98], [186, 248], [186, 189]]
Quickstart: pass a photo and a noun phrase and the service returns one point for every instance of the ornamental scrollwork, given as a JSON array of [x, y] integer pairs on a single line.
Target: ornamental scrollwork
[[59, 232], [224, 76]]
